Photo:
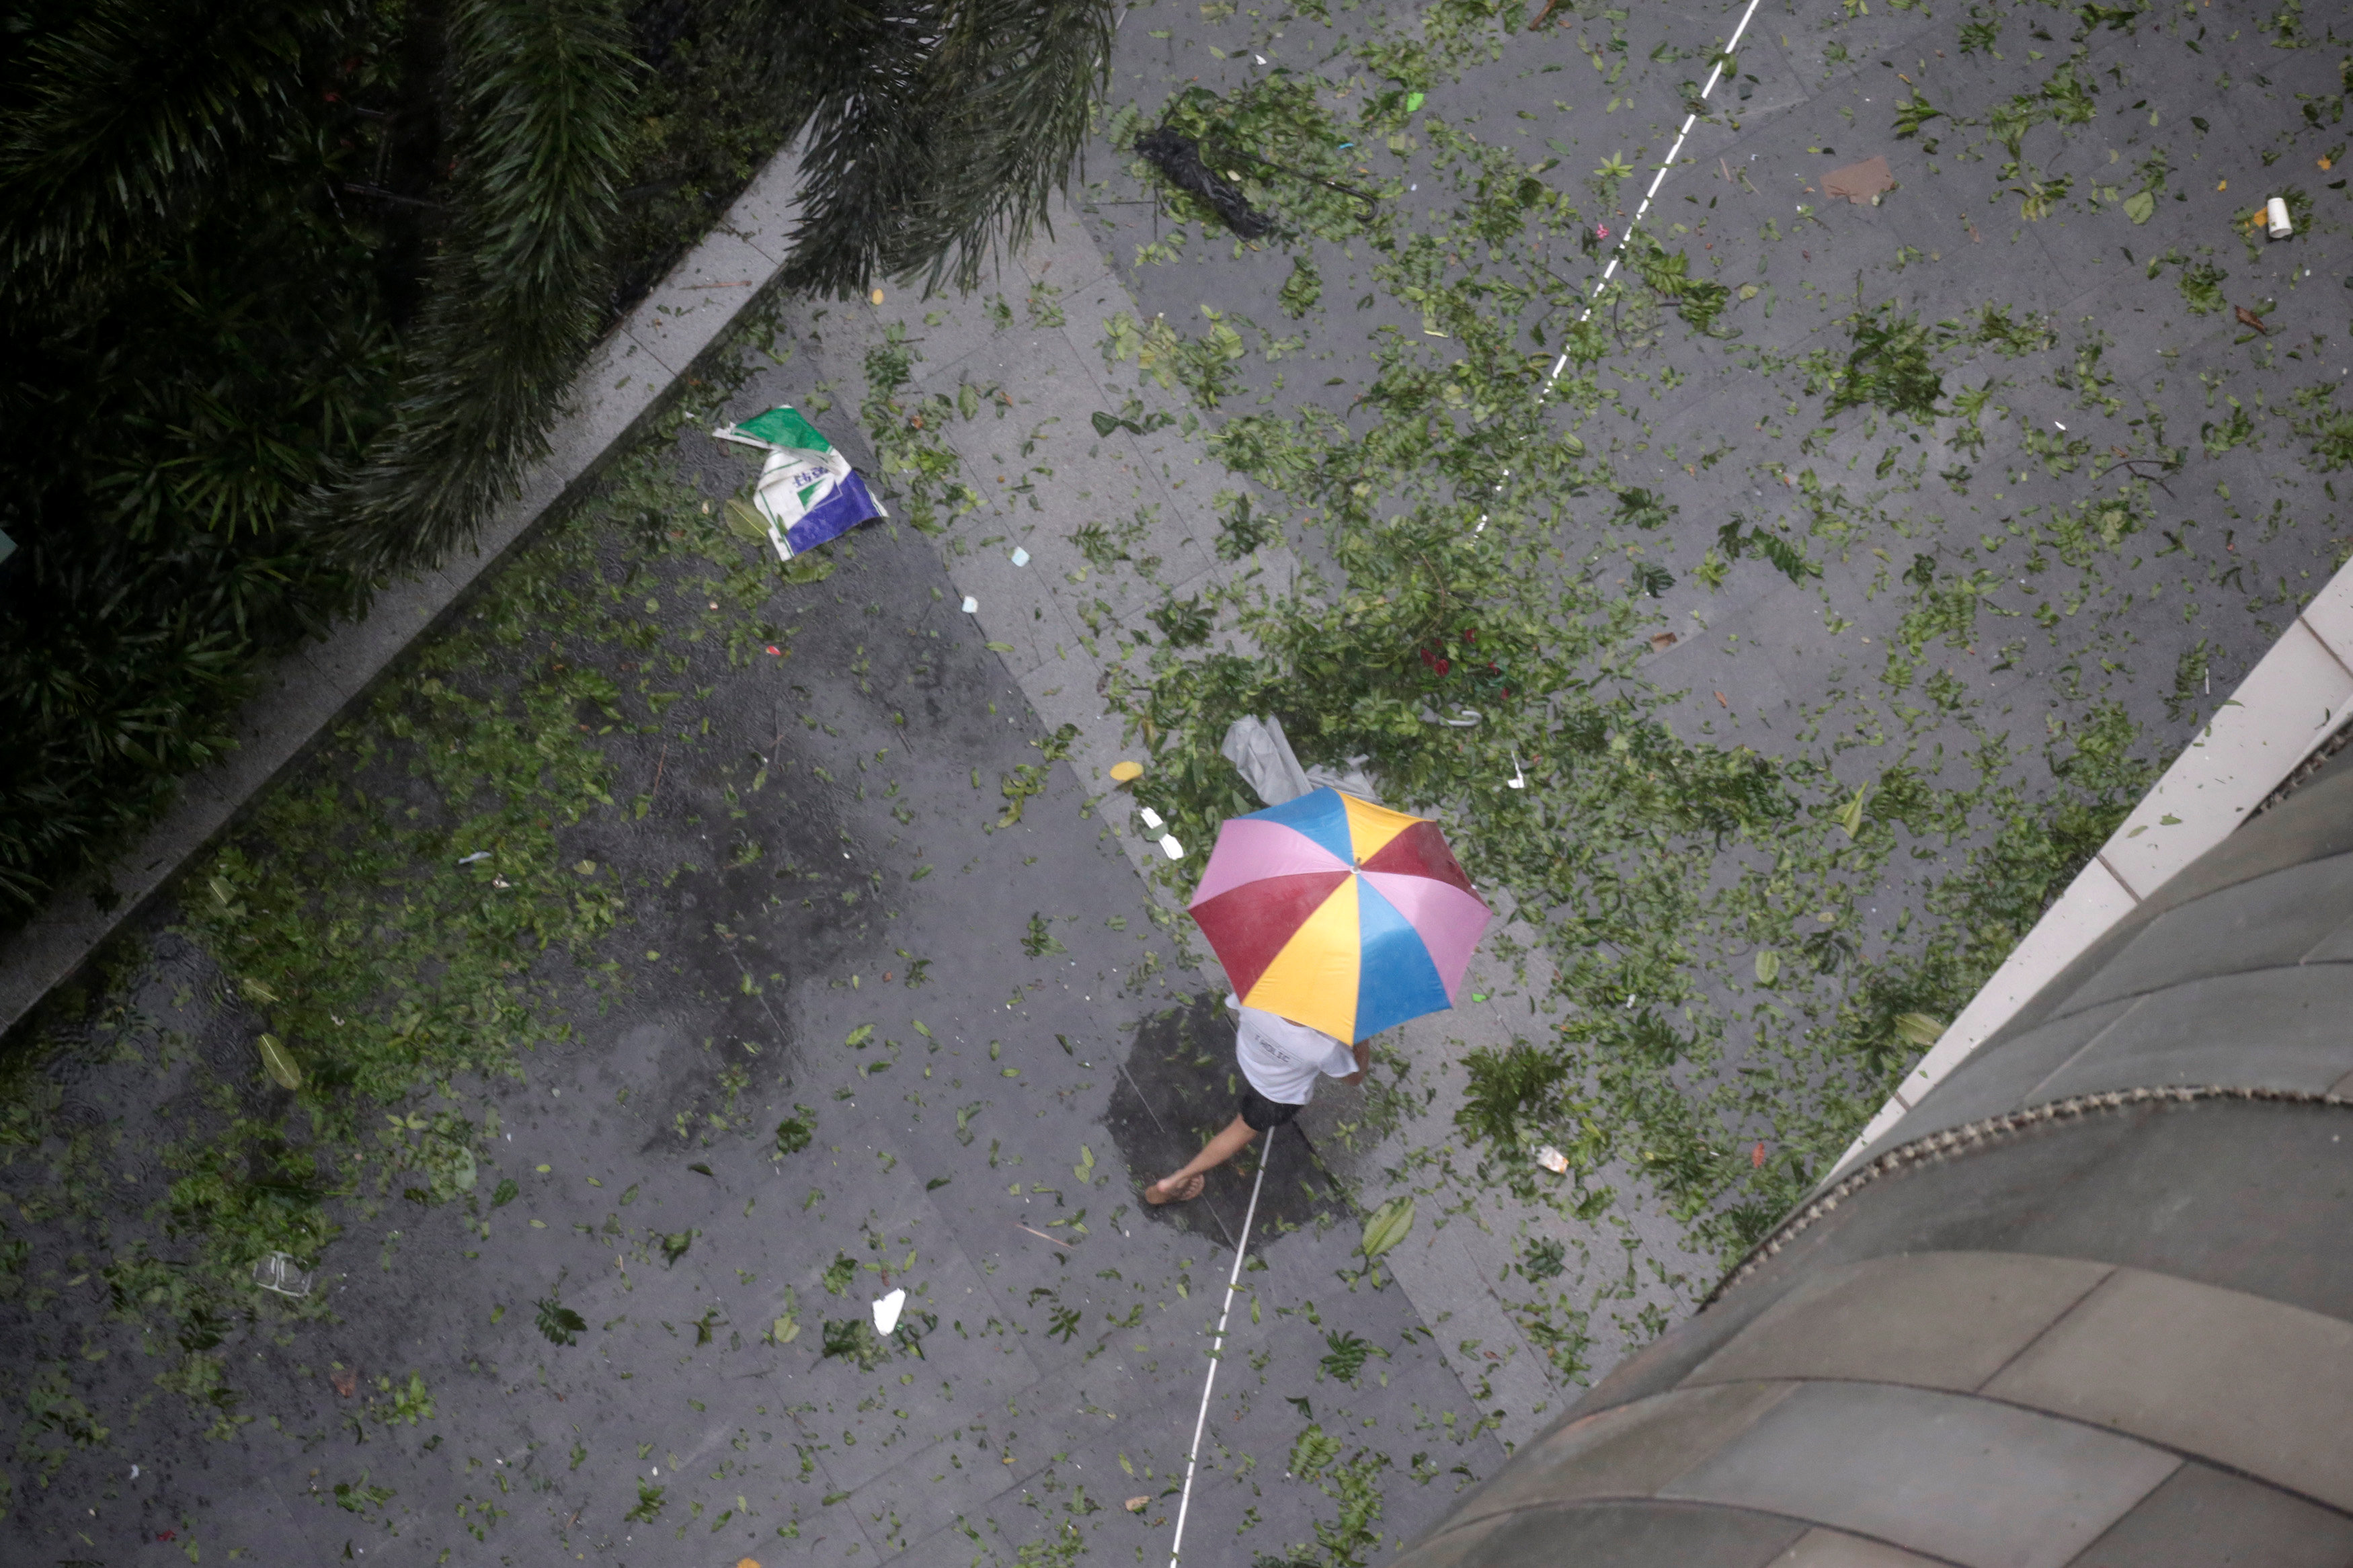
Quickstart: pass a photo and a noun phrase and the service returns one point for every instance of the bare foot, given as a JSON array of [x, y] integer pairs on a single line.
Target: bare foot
[[1159, 1193]]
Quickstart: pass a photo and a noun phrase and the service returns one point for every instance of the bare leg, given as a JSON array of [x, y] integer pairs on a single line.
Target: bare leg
[[1188, 1182]]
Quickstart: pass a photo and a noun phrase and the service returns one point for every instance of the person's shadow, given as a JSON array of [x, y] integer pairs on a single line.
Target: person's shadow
[[1177, 1087]]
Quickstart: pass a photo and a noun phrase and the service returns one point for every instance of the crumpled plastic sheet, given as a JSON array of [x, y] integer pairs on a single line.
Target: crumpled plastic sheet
[[1262, 754]]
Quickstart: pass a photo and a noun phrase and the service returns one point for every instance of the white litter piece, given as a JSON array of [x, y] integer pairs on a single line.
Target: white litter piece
[[1170, 847], [1151, 817], [2277, 219], [1553, 1159], [886, 1311], [1519, 779], [279, 1272], [476, 855], [1020, 556], [971, 605], [134, 1472]]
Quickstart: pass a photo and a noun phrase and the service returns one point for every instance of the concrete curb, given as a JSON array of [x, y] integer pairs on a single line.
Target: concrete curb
[[629, 379], [2289, 704]]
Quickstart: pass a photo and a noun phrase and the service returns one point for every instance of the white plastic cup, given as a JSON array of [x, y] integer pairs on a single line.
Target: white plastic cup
[[2277, 219]]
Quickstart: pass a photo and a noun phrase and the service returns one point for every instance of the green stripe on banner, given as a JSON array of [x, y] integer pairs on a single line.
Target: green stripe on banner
[[784, 428]]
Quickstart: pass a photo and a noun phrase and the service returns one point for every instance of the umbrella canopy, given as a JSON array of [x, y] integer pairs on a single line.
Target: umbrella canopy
[[1339, 914]]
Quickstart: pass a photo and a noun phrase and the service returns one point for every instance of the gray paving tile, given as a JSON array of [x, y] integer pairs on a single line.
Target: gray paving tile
[[1062, 253], [1935, 1319], [2202, 1518], [959, 1476], [957, 1546], [289, 705], [769, 207], [1826, 41], [256, 1523], [1766, 83], [2255, 1384], [961, 1358], [201, 810], [350, 657], [699, 300], [1016, 606], [954, 340], [621, 378], [47, 954], [1973, 257], [1915, 1469]]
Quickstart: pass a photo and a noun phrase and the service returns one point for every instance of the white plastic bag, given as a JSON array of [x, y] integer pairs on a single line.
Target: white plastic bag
[[1262, 754]]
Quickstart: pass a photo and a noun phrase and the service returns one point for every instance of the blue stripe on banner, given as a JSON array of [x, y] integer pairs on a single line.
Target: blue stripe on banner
[[1322, 815], [834, 515], [1396, 980]]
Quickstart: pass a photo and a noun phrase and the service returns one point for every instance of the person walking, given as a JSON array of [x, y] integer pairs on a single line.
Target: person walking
[[1335, 919], [1281, 1062]]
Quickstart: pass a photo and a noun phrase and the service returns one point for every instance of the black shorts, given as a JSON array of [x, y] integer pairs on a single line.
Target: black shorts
[[1260, 1114]]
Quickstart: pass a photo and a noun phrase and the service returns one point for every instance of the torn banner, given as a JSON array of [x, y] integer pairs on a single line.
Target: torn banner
[[808, 492]]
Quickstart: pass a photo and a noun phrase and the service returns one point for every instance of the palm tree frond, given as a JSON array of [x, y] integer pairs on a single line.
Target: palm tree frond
[[542, 92], [936, 131], [125, 119]]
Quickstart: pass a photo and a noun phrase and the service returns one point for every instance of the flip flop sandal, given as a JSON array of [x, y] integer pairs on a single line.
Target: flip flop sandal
[[1192, 1190]]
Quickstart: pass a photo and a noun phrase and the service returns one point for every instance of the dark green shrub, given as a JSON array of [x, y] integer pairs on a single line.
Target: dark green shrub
[[287, 291]]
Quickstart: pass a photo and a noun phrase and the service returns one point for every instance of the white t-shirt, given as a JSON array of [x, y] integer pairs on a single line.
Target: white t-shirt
[[1283, 1059]]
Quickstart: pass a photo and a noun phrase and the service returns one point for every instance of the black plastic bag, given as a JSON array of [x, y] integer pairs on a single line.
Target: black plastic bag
[[1179, 158]]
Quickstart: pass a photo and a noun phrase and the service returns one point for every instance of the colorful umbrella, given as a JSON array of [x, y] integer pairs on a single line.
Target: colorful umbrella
[[1339, 914]]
